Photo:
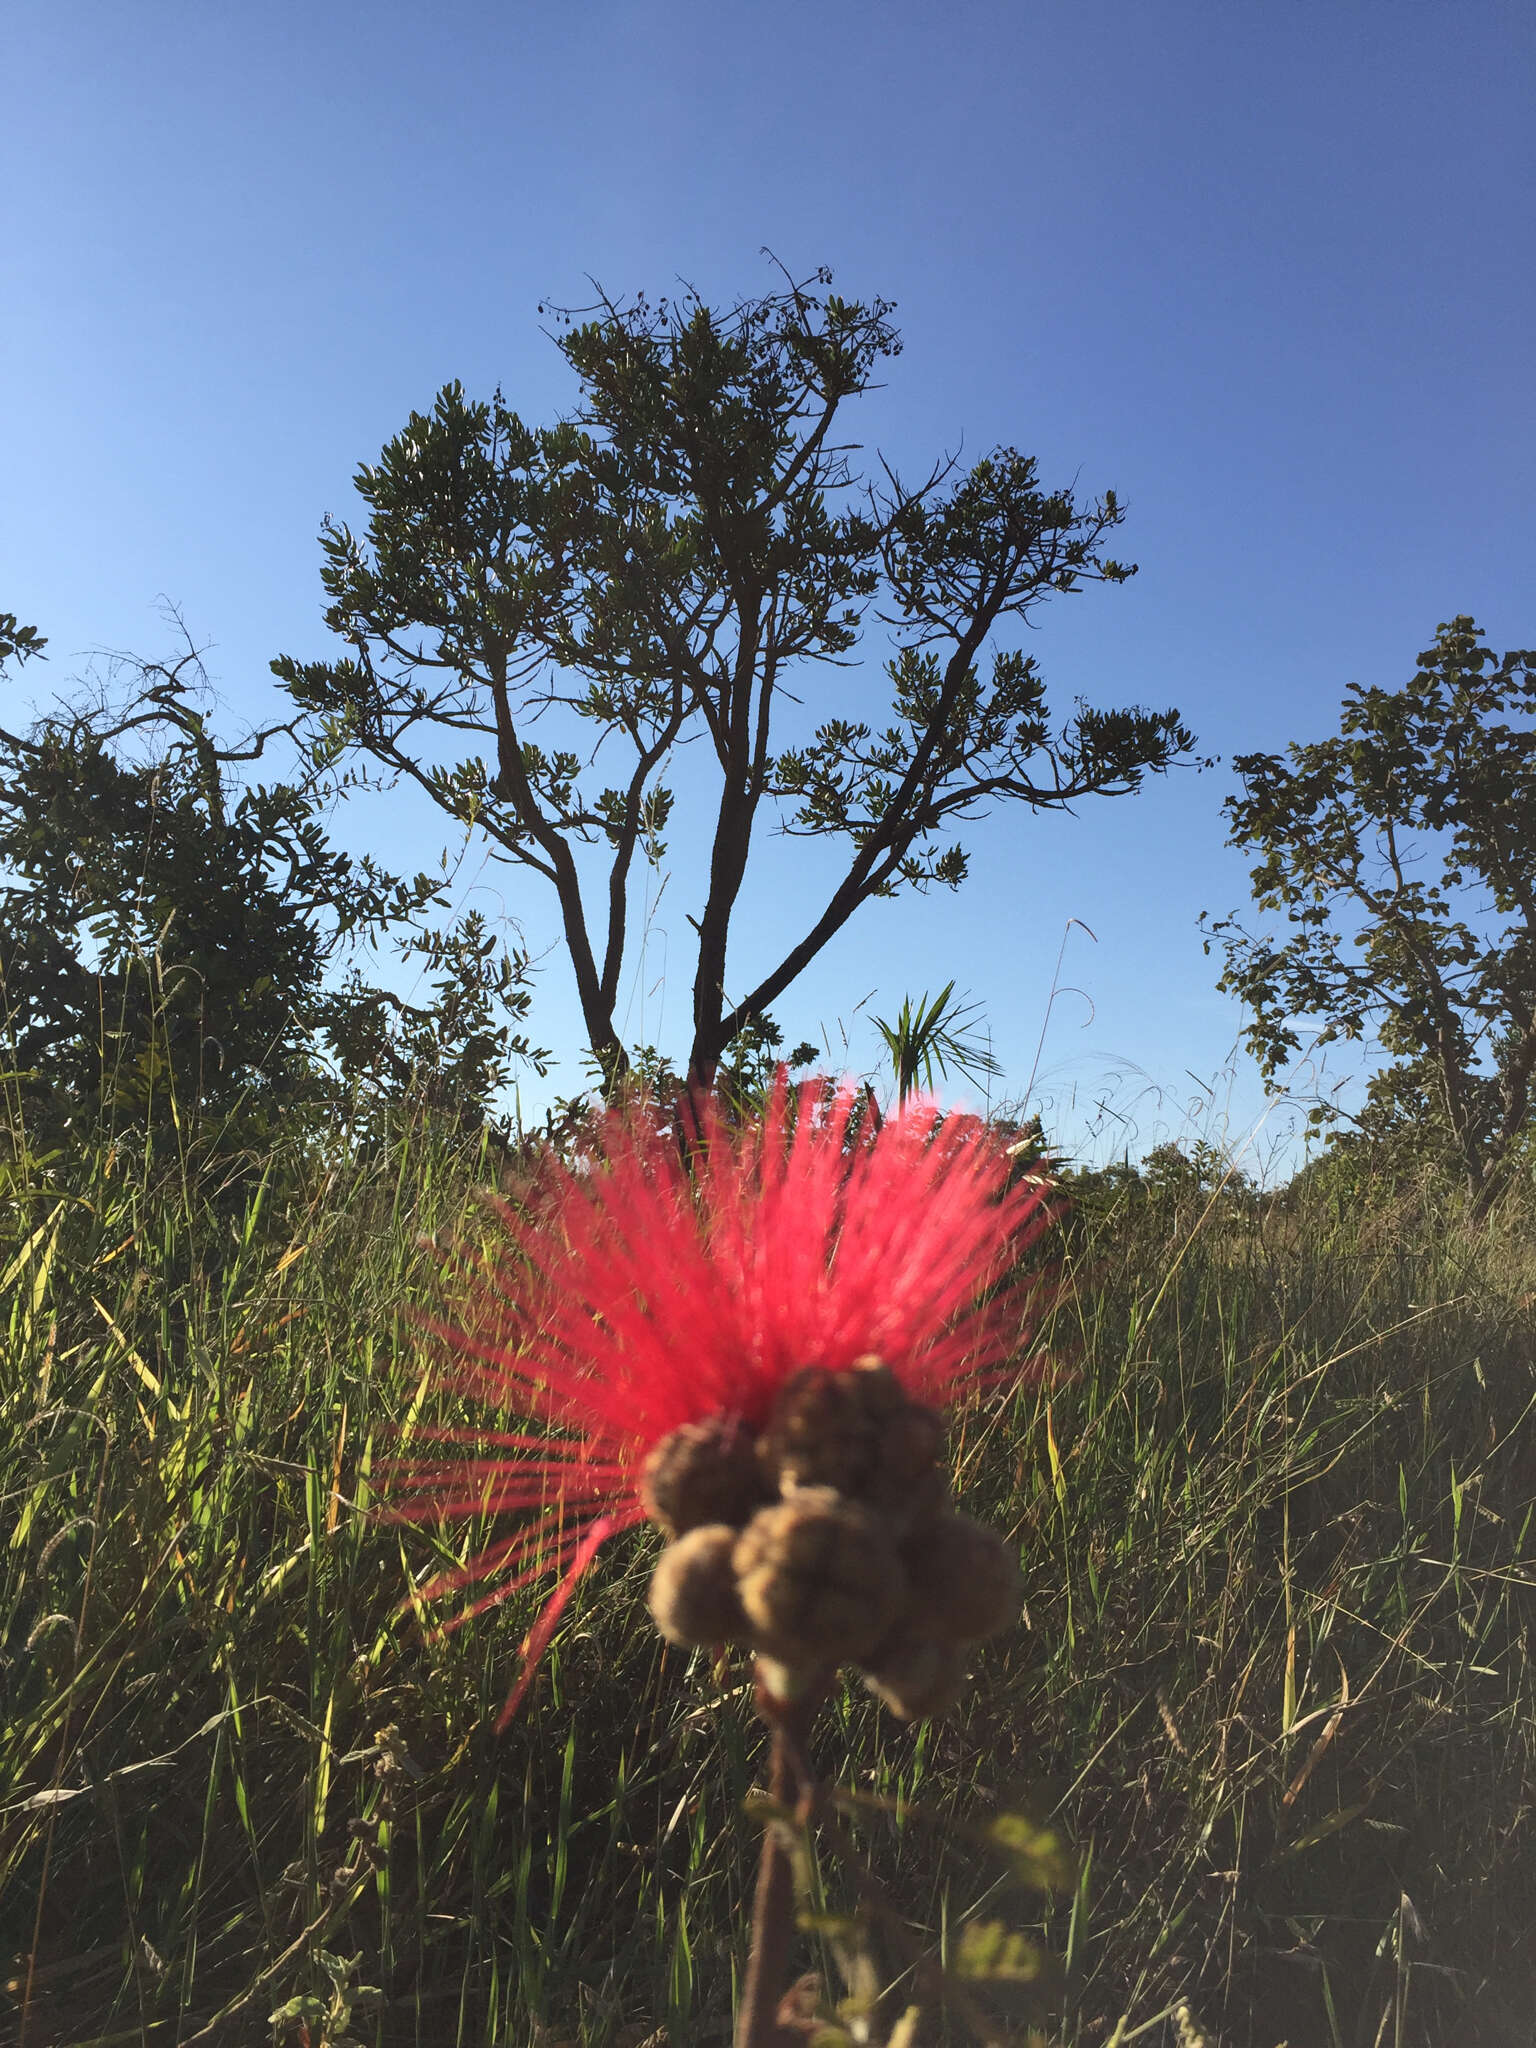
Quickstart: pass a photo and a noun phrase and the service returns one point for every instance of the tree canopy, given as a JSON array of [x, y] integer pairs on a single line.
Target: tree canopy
[[539, 619], [1402, 853]]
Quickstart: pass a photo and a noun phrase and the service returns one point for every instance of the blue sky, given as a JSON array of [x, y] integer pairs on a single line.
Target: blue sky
[[1267, 270]]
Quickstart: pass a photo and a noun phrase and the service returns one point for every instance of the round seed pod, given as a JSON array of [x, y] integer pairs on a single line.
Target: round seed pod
[[825, 1426], [693, 1597], [908, 1483], [915, 1674], [703, 1472], [819, 1579], [965, 1579], [858, 1431]]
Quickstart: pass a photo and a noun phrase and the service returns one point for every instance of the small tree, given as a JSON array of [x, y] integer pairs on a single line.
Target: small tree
[[171, 930], [932, 1035], [669, 565], [1403, 854]]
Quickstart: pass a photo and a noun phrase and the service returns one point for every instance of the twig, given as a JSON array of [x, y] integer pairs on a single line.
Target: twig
[[773, 1917]]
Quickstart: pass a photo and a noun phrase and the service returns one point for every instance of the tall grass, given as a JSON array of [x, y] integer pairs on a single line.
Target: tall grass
[[1275, 1506]]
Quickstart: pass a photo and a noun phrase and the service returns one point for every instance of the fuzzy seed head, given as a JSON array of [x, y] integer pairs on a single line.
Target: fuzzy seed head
[[819, 1579], [825, 1427], [693, 1598], [965, 1579], [908, 1483], [703, 1472], [860, 1433], [916, 1675]]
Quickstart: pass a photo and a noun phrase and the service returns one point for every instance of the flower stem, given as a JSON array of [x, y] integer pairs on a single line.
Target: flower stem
[[773, 1909]]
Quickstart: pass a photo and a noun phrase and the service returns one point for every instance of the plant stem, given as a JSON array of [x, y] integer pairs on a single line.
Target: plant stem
[[773, 1908]]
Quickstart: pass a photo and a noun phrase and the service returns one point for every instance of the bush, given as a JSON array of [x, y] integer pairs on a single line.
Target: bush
[[179, 942]]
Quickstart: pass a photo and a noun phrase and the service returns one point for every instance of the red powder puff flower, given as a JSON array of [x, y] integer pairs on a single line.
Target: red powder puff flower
[[640, 1291]]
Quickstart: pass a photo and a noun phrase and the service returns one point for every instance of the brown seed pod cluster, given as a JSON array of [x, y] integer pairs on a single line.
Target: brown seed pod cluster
[[828, 1539]]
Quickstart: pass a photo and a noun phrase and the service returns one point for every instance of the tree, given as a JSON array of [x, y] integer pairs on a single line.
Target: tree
[[668, 566], [170, 931], [1403, 854]]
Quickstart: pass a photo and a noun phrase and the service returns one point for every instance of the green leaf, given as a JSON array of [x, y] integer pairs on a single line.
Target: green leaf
[[306, 2007], [1039, 1856], [1331, 1824], [830, 1926], [992, 1953]]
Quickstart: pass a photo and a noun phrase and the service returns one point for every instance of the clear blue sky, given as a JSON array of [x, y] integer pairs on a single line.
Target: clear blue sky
[[1268, 270]]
